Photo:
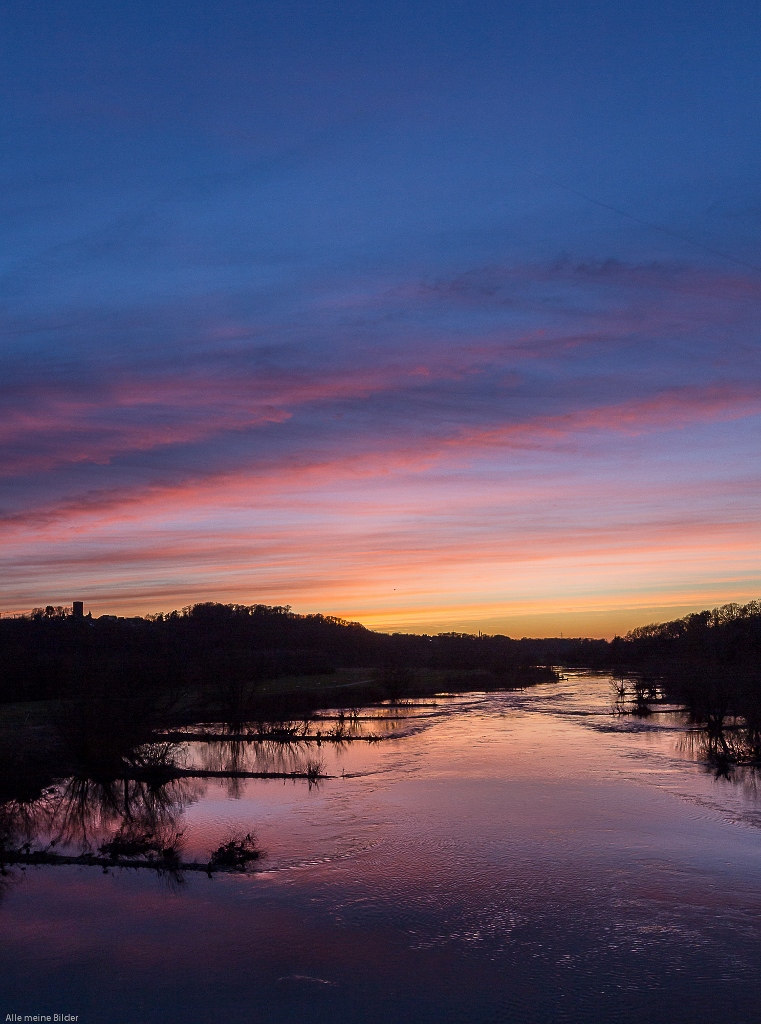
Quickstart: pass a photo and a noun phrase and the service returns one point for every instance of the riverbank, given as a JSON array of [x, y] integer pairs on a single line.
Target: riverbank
[[101, 733]]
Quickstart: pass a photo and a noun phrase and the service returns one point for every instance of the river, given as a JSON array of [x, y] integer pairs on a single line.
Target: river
[[504, 857]]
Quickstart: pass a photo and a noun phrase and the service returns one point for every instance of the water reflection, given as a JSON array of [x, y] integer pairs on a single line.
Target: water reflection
[[635, 695], [722, 742], [527, 857], [341, 726], [126, 804], [234, 760], [732, 753], [121, 822]]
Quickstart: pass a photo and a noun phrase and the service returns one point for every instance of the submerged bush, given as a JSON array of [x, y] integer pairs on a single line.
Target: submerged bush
[[237, 852]]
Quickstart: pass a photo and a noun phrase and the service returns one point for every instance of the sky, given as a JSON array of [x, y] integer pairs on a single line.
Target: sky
[[435, 316]]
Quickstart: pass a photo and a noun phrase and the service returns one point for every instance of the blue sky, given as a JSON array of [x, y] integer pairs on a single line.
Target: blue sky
[[432, 315]]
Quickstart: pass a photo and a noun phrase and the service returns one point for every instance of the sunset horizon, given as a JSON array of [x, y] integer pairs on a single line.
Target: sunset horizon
[[595, 623], [432, 321]]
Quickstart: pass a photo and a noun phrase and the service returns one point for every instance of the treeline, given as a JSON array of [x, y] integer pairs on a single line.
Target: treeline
[[54, 654], [709, 661]]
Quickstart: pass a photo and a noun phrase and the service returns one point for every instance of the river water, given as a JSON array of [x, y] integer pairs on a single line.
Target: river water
[[508, 857]]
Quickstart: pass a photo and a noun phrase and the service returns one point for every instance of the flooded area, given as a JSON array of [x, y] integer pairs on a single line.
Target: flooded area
[[518, 856]]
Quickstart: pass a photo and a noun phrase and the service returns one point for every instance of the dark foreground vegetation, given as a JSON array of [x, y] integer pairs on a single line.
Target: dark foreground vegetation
[[229, 653], [710, 664], [243, 662]]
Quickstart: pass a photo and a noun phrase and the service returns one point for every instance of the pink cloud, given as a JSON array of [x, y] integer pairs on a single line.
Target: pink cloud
[[675, 409], [140, 414], [672, 409]]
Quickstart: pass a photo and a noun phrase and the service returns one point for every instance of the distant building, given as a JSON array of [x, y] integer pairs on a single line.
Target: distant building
[[78, 609]]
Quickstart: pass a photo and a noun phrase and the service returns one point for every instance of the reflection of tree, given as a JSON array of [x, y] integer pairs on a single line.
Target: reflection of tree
[[227, 756], [83, 812], [264, 757], [88, 809], [633, 695], [723, 746], [120, 823]]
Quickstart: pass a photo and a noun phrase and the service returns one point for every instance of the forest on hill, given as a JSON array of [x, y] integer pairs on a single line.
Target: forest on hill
[[55, 654], [709, 661]]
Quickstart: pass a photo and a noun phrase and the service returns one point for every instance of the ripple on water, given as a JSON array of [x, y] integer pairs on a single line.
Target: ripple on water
[[521, 856]]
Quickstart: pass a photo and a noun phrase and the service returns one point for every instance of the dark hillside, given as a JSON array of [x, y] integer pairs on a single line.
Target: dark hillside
[[54, 654]]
